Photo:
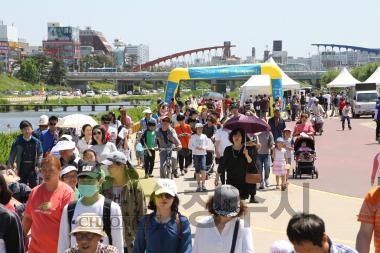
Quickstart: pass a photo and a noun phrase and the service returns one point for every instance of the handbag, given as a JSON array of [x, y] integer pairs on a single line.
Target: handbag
[[252, 178]]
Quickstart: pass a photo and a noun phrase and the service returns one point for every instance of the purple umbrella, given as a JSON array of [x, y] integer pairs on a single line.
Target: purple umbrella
[[250, 124]]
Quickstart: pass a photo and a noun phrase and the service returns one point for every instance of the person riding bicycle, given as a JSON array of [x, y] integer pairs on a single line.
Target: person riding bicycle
[[167, 138]]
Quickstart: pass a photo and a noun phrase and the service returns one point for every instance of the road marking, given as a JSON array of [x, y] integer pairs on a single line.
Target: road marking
[[330, 193]]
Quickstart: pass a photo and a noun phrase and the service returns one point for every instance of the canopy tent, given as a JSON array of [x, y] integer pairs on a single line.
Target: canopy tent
[[260, 84], [343, 80], [287, 82], [375, 77]]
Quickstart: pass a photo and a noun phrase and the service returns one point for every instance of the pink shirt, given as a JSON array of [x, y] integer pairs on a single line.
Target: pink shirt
[[306, 128]]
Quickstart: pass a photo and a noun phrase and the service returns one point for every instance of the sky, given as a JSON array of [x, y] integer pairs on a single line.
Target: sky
[[170, 26]]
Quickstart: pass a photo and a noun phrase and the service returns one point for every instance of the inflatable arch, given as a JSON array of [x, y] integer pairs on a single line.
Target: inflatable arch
[[224, 72]]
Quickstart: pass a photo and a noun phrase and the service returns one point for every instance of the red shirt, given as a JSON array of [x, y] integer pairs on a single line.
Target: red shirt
[[342, 104], [46, 208], [185, 138]]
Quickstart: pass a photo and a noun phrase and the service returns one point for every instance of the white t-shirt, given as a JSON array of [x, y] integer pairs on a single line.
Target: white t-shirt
[[102, 151], [82, 145], [198, 141], [221, 137], [66, 241], [208, 238]]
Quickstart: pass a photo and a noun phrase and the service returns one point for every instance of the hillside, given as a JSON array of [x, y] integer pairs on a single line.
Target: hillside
[[8, 83]]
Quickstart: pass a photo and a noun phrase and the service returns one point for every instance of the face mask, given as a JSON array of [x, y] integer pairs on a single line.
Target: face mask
[[87, 190]]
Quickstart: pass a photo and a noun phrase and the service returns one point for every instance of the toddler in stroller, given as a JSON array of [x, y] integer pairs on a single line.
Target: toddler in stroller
[[304, 156]]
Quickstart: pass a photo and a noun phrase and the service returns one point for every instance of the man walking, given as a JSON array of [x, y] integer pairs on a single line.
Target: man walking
[[277, 124], [26, 151], [167, 138]]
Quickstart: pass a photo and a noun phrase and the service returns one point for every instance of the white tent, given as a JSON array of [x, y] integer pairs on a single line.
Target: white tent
[[343, 80], [260, 84], [287, 82], [375, 77]]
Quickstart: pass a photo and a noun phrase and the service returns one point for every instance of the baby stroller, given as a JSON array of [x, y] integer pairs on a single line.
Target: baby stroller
[[304, 156]]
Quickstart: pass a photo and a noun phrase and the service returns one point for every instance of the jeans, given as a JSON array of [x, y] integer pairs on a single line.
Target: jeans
[[263, 160], [184, 158], [377, 130], [163, 157], [344, 120], [149, 161], [199, 163]]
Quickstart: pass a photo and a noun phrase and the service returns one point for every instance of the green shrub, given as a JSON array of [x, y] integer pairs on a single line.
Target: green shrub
[[6, 140]]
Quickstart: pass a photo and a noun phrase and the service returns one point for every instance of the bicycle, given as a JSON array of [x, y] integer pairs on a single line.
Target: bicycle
[[166, 169]]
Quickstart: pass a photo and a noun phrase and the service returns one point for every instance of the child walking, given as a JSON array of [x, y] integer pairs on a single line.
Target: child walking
[[345, 115], [139, 150], [289, 146], [279, 162]]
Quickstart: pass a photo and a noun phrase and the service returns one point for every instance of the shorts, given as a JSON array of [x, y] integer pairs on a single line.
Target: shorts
[[199, 162], [140, 154]]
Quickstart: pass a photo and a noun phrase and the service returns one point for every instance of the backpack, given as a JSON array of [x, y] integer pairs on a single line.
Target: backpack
[[106, 216], [177, 221]]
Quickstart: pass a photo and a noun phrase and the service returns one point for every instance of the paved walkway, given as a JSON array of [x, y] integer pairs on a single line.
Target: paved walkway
[[269, 219]]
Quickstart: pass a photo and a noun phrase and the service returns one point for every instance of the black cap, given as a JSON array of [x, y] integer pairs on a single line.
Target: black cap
[[90, 170]]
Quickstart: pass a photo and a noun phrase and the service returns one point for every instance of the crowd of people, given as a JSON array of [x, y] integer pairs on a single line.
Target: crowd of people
[[70, 193]]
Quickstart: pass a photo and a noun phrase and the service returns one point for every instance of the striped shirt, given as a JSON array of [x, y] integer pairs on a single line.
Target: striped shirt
[[370, 213], [339, 248]]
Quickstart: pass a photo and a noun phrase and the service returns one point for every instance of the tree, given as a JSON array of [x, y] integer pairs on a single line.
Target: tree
[[363, 72], [57, 73], [96, 61], [29, 72], [43, 65], [329, 76]]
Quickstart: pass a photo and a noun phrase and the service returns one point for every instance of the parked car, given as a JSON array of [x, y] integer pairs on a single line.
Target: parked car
[[77, 92], [115, 93], [136, 92], [90, 93], [129, 93]]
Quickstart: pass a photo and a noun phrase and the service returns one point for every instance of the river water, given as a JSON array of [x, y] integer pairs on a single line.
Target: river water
[[10, 121]]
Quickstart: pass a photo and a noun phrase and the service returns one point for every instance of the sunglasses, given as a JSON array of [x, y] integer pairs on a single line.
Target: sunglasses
[[165, 195], [97, 133]]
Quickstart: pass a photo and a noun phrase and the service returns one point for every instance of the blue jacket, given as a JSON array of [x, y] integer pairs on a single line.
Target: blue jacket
[[276, 130], [17, 149], [377, 113], [154, 237]]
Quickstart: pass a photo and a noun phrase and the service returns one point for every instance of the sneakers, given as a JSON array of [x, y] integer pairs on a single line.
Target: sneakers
[[185, 171], [267, 183], [261, 187], [253, 200], [182, 174], [151, 175], [204, 188], [199, 189], [176, 176]]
